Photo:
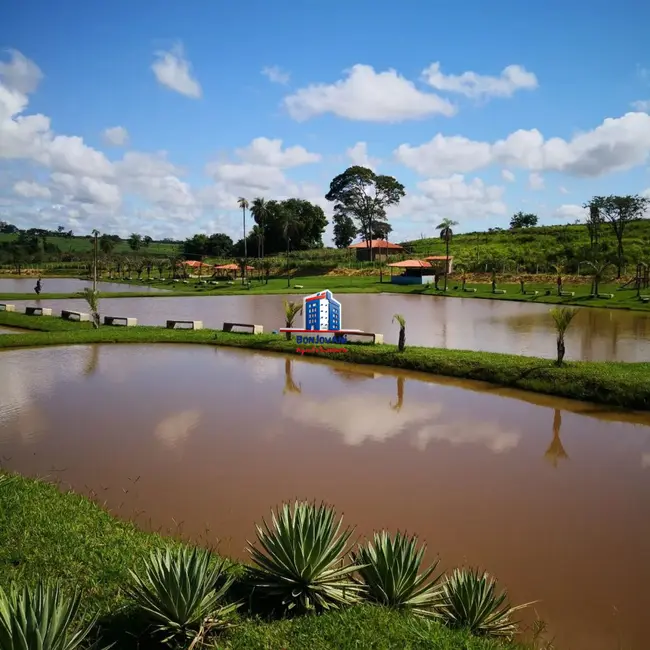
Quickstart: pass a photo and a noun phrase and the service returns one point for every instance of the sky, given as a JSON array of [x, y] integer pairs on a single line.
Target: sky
[[155, 116]]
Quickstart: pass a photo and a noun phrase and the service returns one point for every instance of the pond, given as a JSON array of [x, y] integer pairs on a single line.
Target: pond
[[67, 285], [551, 496], [465, 323]]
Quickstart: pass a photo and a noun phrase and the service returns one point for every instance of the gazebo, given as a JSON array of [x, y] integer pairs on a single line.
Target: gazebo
[[225, 268], [439, 262], [379, 249], [413, 272]]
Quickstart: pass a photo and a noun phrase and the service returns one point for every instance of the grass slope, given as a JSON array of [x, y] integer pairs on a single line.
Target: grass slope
[[625, 385], [49, 534]]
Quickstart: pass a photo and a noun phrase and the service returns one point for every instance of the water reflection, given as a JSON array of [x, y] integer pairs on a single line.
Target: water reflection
[[290, 385], [176, 428], [555, 451], [400, 395]]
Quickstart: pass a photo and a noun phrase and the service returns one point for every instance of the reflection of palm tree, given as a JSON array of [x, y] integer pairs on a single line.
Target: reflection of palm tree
[[400, 395], [290, 385], [555, 451], [91, 367]]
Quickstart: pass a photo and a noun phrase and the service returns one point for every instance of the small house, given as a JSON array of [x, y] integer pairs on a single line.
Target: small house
[[379, 249], [412, 272]]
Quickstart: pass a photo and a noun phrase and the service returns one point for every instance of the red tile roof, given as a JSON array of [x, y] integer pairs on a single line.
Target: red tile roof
[[411, 264], [438, 257], [377, 243]]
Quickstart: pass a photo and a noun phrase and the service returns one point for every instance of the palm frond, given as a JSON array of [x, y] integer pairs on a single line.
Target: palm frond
[[562, 316], [291, 310], [401, 321]]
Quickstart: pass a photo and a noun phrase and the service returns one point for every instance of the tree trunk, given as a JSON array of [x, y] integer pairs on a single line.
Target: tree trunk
[[96, 320], [287, 335], [560, 349], [402, 339], [620, 257], [447, 260]]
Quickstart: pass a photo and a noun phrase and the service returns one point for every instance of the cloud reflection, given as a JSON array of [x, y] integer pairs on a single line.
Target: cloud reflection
[[176, 428], [645, 460]]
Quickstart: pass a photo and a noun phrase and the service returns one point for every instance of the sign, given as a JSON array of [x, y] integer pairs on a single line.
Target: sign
[[322, 320]]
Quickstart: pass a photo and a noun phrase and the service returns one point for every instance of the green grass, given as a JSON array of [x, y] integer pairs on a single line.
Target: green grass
[[623, 299], [625, 385], [49, 534]]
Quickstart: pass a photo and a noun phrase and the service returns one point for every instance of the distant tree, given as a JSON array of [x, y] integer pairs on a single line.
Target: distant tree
[[8, 228], [146, 240], [595, 219], [523, 220], [243, 204], [261, 213], [106, 244], [344, 230], [380, 230], [620, 211], [196, 246], [135, 241], [445, 231], [60, 230], [220, 245], [364, 196]]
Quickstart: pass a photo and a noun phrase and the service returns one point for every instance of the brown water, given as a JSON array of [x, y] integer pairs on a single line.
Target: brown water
[[551, 496], [490, 325], [67, 285]]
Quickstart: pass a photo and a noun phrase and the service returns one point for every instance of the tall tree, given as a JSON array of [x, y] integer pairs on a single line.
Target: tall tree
[[446, 233], [620, 211], [260, 211], [106, 244], [595, 219], [363, 196], [146, 240], [344, 230], [523, 220], [135, 241], [243, 204]]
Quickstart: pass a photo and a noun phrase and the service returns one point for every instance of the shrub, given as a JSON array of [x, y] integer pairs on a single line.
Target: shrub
[[300, 560]]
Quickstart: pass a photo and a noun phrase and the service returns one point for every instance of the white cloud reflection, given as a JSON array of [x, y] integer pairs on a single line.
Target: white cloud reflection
[[176, 428]]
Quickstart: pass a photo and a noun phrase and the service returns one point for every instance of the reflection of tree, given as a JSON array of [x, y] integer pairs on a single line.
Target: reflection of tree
[[555, 451], [91, 366], [290, 385], [400, 395], [354, 374]]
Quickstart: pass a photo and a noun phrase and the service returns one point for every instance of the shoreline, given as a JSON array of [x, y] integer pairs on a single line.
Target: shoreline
[[617, 384]]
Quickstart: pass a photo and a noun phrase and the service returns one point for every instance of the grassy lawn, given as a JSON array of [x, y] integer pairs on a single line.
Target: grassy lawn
[[49, 534], [618, 384], [623, 298]]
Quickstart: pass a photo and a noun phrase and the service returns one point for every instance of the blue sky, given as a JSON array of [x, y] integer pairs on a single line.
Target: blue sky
[[480, 109]]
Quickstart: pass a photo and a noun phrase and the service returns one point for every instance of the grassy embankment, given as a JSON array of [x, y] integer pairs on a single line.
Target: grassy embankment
[[49, 534], [625, 385], [623, 299]]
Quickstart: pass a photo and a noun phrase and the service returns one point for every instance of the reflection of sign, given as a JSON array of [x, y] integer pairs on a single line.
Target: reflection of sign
[[322, 320]]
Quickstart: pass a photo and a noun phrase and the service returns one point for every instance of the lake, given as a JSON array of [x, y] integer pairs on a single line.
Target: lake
[[67, 285], [464, 323], [551, 496]]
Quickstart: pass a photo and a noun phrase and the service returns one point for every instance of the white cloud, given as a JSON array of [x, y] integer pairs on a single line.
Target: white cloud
[[615, 145], [641, 105], [85, 189], [263, 151], [570, 212], [367, 95], [646, 193], [20, 73], [276, 75], [31, 190], [174, 71], [358, 155], [563, 190], [507, 175], [471, 84], [535, 181], [116, 136]]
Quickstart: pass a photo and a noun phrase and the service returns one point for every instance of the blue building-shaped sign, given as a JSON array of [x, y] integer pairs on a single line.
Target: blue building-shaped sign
[[322, 312]]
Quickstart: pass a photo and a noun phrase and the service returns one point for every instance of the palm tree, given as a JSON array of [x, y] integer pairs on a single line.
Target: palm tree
[[243, 204], [562, 317], [95, 236], [598, 272], [446, 233], [257, 234], [291, 310], [402, 331], [260, 212], [92, 298], [559, 269], [289, 226]]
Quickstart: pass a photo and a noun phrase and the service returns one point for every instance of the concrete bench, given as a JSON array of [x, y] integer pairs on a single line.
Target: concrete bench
[[255, 329], [499, 291], [472, 290], [606, 295], [567, 293], [645, 299], [80, 316], [5, 306], [193, 324], [531, 293], [298, 286], [377, 338], [32, 310], [117, 320]]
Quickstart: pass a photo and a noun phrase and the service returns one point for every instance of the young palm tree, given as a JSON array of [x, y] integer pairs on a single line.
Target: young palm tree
[[445, 231], [401, 321], [291, 310], [243, 204], [598, 272], [562, 317], [92, 298]]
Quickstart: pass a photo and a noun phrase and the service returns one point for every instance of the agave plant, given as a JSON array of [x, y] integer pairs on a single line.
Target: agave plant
[[300, 562], [179, 592], [390, 572], [469, 600], [41, 618]]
